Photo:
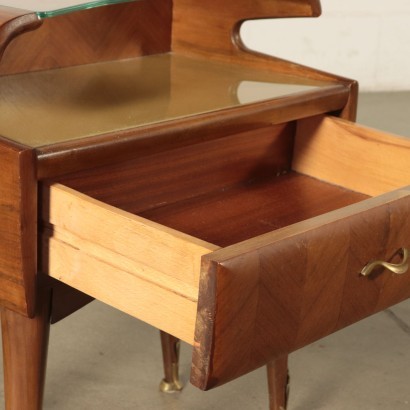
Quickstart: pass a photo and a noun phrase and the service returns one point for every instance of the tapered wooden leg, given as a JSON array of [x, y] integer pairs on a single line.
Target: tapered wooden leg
[[25, 343], [278, 383], [170, 354]]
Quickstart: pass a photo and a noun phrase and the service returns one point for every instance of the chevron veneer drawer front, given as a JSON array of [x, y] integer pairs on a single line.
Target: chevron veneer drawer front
[[247, 248]]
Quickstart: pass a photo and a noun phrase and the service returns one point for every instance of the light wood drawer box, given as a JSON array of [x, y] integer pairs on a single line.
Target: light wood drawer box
[[247, 247]]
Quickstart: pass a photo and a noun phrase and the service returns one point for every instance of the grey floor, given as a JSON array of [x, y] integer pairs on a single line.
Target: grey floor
[[102, 359]]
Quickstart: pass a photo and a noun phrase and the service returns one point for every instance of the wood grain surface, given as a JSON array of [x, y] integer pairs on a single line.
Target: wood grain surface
[[100, 34], [359, 158], [273, 294], [237, 213], [18, 228], [194, 170], [135, 265]]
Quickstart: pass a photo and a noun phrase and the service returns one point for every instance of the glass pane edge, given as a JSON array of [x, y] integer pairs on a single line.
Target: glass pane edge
[[78, 7]]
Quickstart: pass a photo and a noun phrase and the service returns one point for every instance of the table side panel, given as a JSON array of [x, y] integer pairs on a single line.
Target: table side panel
[[18, 228]]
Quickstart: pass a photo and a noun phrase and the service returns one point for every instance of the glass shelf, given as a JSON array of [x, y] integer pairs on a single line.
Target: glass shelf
[[52, 8], [48, 107]]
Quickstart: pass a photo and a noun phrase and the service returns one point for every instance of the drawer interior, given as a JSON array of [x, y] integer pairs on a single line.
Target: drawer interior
[[224, 191], [190, 201], [255, 207]]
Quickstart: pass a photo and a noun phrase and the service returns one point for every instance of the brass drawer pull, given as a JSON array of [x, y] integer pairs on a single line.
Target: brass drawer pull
[[398, 268]]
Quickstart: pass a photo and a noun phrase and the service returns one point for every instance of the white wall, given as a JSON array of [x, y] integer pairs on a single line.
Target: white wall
[[367, 40]]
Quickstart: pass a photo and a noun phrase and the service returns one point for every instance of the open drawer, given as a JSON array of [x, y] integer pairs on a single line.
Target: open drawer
[[247, 247]]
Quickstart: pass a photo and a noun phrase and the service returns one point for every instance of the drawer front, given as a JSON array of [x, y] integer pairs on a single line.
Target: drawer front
[[278, 292]]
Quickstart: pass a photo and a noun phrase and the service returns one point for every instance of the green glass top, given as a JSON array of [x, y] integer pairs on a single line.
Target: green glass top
[[51, 8]]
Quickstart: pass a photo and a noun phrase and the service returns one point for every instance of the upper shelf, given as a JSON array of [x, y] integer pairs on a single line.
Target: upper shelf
[[51, 8]]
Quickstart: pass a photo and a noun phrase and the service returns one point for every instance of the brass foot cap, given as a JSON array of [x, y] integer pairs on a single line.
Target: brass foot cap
[[170, 387]]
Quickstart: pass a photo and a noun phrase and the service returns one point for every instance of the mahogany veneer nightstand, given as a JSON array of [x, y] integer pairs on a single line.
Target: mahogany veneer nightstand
[[151, 161]]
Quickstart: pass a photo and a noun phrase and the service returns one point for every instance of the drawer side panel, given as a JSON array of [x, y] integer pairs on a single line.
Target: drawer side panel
[[358, 158], [142, 268]]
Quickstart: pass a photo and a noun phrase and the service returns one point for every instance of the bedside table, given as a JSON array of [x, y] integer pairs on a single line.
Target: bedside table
[[150, 161]]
